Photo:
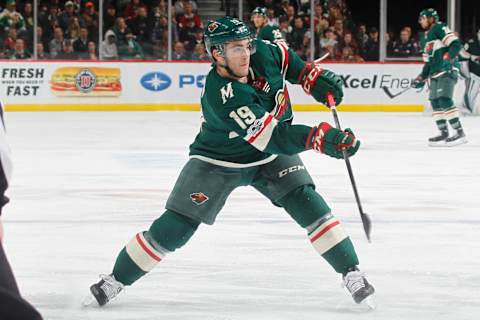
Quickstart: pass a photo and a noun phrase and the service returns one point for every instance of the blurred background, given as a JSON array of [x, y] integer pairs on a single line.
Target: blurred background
[[369, 30]]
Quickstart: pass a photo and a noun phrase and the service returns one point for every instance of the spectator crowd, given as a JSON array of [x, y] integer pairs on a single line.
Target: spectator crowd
[[138, 29], [334, 31]]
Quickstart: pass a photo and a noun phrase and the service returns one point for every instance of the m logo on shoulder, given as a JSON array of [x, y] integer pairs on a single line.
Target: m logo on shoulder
[[199, 198], [227, 92]]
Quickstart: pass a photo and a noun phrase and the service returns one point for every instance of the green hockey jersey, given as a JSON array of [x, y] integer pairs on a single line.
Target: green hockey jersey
[[436, 42], [270, 33], [247, 124]]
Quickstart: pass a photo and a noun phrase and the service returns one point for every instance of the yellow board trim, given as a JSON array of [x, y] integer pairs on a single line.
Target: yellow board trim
[[196, 107]]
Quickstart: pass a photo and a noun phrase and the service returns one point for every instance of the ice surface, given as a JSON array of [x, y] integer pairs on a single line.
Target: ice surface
[[85, 183]]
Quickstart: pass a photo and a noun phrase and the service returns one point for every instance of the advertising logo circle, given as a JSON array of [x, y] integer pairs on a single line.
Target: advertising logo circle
[[155, 81], [85, 80]]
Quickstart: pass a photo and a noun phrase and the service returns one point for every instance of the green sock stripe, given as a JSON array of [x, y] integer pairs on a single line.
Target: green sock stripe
[[342, 256], [126, 270], [441, 124], [455, 123]]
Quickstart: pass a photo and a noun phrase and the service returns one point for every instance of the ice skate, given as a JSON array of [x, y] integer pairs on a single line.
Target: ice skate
[[104, 291], [360, 289], [440, 140], [456, 139]]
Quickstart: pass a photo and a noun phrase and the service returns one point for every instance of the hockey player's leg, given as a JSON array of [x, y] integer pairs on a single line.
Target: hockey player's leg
[[441, 96], [197, 197], [141, 254], [453, 117], [328, 238], [12, 305], [441, 122], [146, 249]]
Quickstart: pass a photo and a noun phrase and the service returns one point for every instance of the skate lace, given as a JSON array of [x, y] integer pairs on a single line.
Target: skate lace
[[110, 286], [354, 281]]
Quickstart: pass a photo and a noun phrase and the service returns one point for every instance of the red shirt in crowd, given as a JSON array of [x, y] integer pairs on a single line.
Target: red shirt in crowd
[[184, 19]]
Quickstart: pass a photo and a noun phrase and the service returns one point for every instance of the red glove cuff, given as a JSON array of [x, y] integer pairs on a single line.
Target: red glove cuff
[[315, 139], [308, 80]]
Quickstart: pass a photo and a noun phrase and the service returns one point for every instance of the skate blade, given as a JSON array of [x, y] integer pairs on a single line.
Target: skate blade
[[456, 142], [370, 302], [89, 301], [438, 144]]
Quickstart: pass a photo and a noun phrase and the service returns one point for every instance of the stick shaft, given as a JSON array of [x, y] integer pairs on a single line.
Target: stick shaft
[[365, 219]]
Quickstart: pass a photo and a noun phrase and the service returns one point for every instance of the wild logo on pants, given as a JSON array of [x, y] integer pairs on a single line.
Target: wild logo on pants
[[199, 198]]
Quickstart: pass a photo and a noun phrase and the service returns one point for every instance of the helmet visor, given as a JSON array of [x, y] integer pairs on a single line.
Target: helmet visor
[[239, 48]]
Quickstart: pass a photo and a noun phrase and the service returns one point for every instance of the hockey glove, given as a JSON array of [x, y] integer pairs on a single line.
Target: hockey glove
[[418, 82], [448, 62], [474, 58], [317, 82], [331, 141]]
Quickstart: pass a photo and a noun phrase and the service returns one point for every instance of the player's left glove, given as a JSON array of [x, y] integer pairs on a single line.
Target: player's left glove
[[418, 82], [317, 82], [331, 141], [448, 62]]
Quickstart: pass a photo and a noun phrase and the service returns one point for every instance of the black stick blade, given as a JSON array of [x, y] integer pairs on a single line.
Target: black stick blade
[[388, 93], [367, 226]]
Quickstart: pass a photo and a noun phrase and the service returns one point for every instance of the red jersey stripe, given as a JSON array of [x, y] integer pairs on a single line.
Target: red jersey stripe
[[265, 124]]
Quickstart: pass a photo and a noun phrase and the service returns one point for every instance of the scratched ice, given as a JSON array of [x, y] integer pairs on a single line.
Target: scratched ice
[[85, 183]]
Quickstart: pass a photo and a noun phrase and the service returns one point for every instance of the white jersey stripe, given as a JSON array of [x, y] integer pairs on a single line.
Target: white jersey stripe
[[449, 38], [262, 133], [284, 50], [227, 164]]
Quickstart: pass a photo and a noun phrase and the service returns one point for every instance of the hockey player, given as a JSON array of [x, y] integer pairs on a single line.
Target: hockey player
[[440, 48], [264, 30], [471, 54], [247, 138], [12, 305]]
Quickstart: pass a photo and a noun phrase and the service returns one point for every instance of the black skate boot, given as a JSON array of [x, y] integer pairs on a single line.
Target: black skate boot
[[358, 286], [105, 290], [456, 139], [438, 140]]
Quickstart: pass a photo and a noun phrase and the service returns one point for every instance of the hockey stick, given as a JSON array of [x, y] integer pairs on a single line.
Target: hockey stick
[[322, 57], [367, 223], [391, 95]]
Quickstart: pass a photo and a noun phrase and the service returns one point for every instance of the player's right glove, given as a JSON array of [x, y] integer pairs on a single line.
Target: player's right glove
[[328, 140], [318, 82], [418, 82], [474, 58]]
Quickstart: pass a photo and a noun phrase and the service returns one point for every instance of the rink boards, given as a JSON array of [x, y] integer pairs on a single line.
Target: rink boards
[[153, 85]]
